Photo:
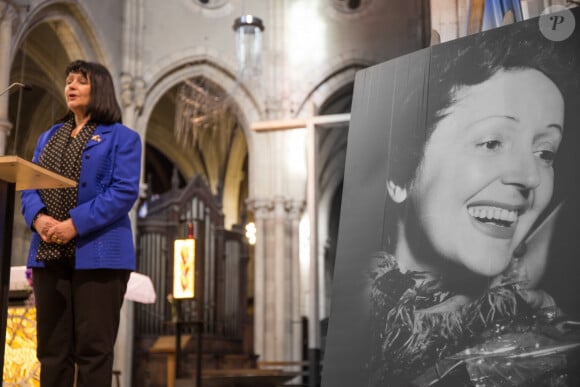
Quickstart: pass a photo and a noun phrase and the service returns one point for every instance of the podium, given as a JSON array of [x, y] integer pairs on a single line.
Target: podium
[[17, 174]]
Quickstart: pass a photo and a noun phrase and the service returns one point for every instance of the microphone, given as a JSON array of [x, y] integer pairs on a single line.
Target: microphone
[[24, 86]]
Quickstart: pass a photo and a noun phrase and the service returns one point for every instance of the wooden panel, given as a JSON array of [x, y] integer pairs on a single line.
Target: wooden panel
[[27, 175]]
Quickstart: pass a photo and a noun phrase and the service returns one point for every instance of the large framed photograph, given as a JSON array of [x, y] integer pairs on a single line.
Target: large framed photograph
[[458, 253]]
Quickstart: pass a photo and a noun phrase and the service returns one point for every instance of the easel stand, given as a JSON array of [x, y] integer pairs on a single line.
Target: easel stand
[[16, 174], [199, 330]]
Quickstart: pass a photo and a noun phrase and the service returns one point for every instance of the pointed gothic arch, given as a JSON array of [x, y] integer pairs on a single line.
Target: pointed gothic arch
[[46, 41], [219, 156]]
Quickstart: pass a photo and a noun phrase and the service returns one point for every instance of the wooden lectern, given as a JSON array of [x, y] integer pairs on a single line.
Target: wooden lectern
[[17, 174]]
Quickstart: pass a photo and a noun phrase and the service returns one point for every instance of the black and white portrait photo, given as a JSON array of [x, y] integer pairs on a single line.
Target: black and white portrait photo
[[458, 258]]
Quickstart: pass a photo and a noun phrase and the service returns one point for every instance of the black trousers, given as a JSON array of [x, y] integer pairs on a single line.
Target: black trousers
[[77, 314]]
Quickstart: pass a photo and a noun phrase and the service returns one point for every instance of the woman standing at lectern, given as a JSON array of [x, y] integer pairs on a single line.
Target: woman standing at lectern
[[82, 250]]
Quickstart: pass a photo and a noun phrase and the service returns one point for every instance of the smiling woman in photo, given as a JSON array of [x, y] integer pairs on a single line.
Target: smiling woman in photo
[[486, 173], [455, 293]]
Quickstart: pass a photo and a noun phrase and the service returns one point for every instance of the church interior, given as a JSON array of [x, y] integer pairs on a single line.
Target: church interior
[[243, 109]]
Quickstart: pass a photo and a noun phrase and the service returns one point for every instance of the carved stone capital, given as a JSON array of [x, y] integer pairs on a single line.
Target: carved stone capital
[[295, 208], [278, 206], [140, 90], [260, 207], [126, 89]]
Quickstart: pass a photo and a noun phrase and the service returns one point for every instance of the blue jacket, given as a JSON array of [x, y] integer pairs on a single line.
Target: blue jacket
[[108, 188]]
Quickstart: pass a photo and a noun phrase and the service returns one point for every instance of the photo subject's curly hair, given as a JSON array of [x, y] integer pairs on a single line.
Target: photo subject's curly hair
[[471, 61]]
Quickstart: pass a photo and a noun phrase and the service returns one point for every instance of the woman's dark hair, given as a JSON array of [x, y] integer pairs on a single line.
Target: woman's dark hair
[[466, 62], [103, 106]]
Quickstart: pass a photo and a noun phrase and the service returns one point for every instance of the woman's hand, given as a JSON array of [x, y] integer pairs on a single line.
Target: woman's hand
[[62, 232], [42, 224]]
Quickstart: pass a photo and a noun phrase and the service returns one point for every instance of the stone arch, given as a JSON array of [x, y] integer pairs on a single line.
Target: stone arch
[[168, 74], [161, 89], [336, 78], [47, 39], [73, 26]]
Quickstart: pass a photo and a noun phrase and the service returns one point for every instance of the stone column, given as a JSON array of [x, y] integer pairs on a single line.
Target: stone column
[[261, 209], [278, 284], [295, 210], [6, 16], [277, 313], [132, 100]]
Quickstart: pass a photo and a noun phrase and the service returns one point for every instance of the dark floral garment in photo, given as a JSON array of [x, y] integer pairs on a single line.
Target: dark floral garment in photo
[[424, 336]]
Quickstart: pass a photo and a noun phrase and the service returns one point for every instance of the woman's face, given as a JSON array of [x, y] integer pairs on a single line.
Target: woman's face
[[77, 92], [487, 170]]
